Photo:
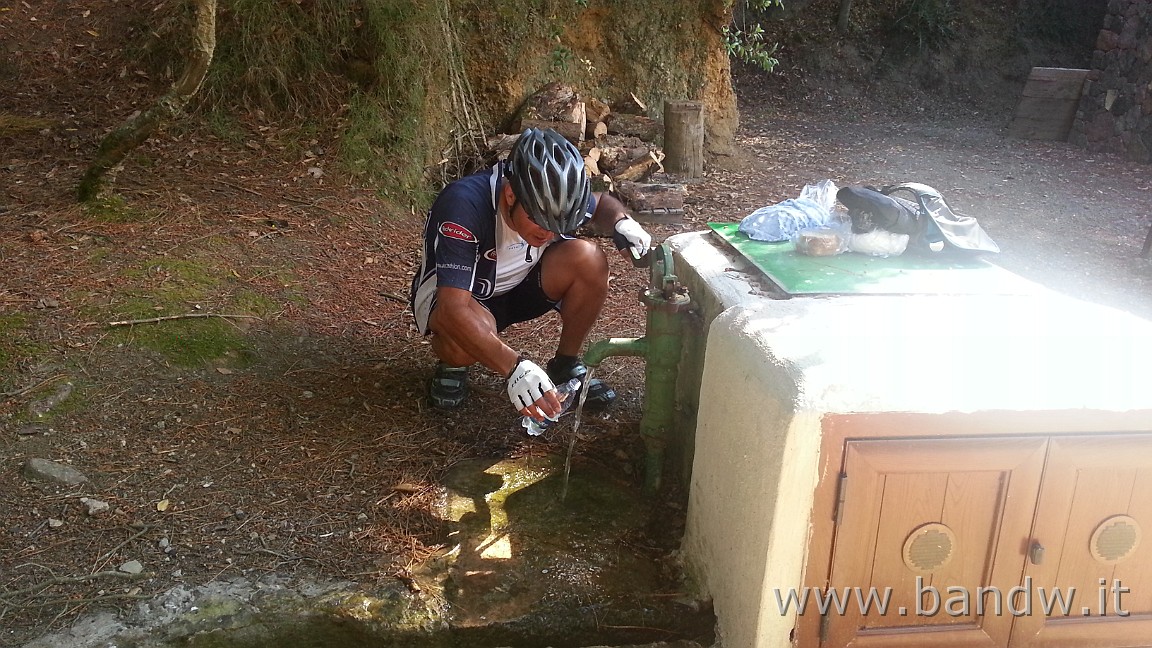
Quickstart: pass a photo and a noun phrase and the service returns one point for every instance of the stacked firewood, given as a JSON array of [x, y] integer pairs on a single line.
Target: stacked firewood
[[618, 142]]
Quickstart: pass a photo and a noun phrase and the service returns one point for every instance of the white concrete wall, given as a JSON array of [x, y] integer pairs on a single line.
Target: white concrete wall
[[774, 368], [752, 483]]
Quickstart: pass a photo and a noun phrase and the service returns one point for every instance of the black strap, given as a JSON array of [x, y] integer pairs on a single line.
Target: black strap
[[519, 358]]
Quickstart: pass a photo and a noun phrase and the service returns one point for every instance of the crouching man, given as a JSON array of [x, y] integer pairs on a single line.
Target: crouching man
[[499, 248]]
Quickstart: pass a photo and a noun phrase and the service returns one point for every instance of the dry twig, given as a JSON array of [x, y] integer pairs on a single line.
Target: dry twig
[[151, 320], [61, 580], [21, 392]]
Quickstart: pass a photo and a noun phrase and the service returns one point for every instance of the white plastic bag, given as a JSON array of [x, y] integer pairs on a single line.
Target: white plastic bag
[[878, 242], [782, 221]]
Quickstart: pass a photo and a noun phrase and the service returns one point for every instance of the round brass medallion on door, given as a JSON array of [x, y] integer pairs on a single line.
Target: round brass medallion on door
[[929, 547], [1115, 539]]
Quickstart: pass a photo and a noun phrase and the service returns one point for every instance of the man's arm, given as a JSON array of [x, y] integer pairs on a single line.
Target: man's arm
[[612, 219], [468, 332], [465, 332], [609, 210]]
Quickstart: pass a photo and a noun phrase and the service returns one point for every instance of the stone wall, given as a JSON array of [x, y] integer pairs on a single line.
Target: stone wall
[[1115, 113]]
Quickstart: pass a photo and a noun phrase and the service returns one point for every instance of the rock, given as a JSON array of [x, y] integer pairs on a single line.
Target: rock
[[45, 470], [40, 408], [94, 506], [28, 429], [132, 567]]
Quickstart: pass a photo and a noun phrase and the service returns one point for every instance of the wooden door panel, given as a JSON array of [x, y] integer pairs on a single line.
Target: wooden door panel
[[977, 494], [968, 513], [1088, 482], [907, 502], [1133, 573]]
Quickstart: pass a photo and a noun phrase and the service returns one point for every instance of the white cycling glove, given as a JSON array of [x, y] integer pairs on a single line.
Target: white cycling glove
[[635, 236], [527, 383]]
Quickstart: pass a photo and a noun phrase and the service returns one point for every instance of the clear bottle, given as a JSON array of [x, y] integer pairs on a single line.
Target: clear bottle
[[566, 392]]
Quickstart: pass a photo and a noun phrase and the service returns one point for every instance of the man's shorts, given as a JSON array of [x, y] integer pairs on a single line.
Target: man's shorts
[[526, 301]]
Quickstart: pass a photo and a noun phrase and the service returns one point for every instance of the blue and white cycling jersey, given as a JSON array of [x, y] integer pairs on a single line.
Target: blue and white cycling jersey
[[468, 246]]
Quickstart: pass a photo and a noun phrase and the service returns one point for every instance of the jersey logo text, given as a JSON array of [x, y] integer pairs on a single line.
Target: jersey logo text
[[457, 231]]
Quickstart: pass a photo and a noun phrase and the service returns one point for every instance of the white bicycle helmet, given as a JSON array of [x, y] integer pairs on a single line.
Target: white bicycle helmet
[[547, 176]]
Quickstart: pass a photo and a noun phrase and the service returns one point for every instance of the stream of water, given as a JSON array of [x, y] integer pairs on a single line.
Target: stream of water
[[575, 431]]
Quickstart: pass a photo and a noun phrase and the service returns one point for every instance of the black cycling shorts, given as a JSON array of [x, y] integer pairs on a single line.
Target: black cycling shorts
[[525, 302]]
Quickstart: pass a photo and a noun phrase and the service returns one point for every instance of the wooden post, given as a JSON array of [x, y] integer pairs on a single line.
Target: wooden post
[[684, 138]]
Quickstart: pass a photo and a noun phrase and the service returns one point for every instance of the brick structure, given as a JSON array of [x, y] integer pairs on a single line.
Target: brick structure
[[1115, 111]]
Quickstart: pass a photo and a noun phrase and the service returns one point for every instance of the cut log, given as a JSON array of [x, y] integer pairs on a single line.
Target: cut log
[[590, 162], [684, 137], [618, 151], [596, 130], [554, 102], [596, 110], [630, 105], [642, 197], [612, 157], [502, 143], [570, 131], [639, 168], [645, 128]]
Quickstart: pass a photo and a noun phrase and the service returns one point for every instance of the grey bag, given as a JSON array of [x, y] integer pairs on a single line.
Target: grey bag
[[941, 225]]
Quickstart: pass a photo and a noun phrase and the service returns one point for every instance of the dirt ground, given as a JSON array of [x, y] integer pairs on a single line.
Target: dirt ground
[[306, 448]]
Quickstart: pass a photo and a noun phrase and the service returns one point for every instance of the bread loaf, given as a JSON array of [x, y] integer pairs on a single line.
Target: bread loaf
[[819, 242]]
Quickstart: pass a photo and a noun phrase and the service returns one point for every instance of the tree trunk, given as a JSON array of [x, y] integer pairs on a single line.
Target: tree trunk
[[842, 20], [119, 143], [684, 137]]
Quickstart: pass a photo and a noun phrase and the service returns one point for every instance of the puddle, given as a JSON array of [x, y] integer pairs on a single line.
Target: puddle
[[528, 569], [535, 551]]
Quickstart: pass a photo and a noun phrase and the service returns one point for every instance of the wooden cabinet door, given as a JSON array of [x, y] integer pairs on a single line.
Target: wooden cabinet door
[[1094, 522], [917, 517]]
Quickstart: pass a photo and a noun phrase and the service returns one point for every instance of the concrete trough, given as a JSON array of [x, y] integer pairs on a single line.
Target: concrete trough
[[981, 451]]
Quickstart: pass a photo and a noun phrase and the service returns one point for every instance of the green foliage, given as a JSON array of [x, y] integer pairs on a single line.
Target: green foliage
[[13, 124], [744, 38], [925, 25], [16, 345], [276, 55], [761, 5], [111, 208], [561, 59], [749, 47], [176, 286]]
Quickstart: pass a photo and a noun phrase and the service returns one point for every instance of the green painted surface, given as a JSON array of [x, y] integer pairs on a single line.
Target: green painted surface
[[861, 274]]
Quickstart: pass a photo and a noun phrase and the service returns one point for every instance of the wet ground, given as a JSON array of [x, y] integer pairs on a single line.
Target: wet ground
[[534, 562]]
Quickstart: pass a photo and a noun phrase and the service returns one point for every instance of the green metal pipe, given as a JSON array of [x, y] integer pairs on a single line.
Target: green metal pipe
[[663, 361], [660, 348], [601, 349]]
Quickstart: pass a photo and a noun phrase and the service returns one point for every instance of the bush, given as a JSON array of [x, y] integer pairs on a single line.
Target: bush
[[924, 25]]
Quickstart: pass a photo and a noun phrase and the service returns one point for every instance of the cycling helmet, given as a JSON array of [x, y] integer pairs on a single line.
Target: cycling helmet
[[547, 176]]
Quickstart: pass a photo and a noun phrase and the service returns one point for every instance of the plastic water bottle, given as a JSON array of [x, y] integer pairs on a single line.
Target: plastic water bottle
[[566, 392]]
